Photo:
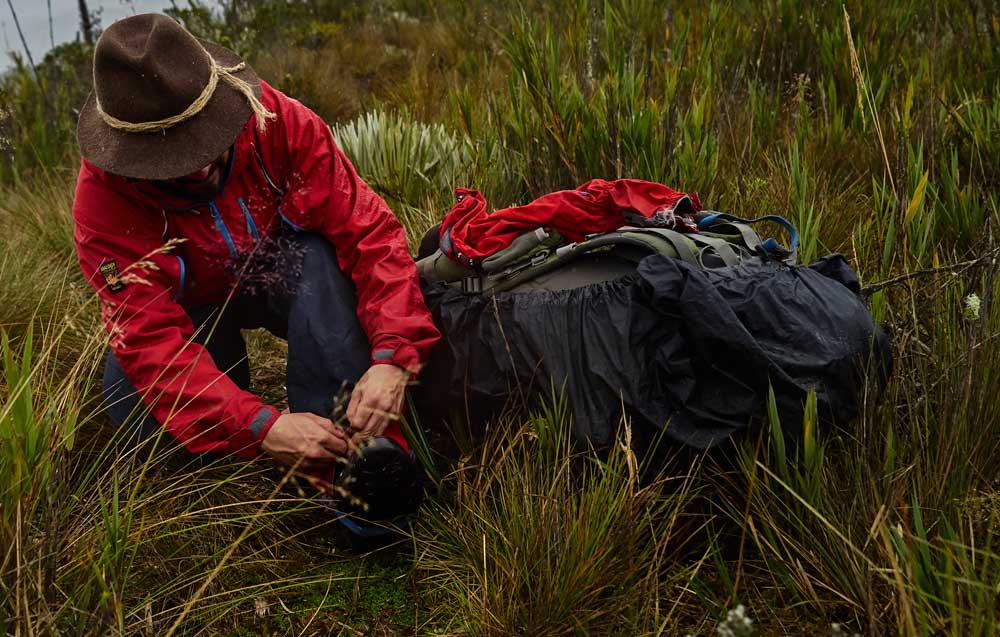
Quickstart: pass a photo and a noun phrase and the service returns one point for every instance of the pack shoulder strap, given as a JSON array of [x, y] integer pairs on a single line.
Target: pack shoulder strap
[[683, 246], [751, 239], [722, 248], [709, 220]]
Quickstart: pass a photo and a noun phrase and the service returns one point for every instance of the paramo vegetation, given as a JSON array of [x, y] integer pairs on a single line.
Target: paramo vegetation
[[873, 126]]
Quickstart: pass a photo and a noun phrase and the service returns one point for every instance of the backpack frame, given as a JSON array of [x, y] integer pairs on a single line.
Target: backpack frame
[[723, 240]]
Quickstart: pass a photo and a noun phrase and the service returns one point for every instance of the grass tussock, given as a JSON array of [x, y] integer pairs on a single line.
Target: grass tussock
[[535, 538]]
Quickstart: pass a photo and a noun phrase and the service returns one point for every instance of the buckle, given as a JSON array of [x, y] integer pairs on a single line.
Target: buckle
[[472, 284], [521, 265], [540, 258]]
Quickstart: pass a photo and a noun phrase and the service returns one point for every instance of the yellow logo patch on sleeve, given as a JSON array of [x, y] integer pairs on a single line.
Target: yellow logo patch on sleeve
[[109, 269]]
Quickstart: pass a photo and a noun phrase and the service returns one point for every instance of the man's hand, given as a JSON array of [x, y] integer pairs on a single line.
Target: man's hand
[[305, 440], [377, 399]]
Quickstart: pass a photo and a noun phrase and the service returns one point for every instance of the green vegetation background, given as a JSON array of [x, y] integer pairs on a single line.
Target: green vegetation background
[[874, 126]]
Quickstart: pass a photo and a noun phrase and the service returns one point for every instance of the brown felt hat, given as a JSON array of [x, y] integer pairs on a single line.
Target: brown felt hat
[[164, 103]]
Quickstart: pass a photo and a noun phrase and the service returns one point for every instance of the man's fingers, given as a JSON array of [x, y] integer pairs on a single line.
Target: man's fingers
[[377, 396], [331, 439], [327, 425], [359, 439], [354, 445], [374, 431], [375, 425], [306, 443], [372, 427], [357, 396], [321, 485], [321, 453], [373, 411], [364, 409], [379, 410], [336, 444]]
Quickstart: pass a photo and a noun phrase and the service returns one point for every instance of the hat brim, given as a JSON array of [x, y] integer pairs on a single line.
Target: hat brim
[[179, 150]]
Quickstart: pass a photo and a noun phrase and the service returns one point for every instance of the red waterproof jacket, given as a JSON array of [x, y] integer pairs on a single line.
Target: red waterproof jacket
[[469, 233], [293, 174]]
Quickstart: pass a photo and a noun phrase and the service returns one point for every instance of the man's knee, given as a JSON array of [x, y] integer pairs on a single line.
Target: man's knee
[[319, 258], [124, 406], [120, 396], [321, 281], [221, 338]]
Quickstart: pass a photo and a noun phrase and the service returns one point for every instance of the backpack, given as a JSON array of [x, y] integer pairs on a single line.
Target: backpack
[[544, 259]]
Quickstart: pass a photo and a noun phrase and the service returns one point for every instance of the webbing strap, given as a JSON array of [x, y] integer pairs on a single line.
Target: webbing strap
[[721, 247], [675, 239], [781, 221], [750, 238]]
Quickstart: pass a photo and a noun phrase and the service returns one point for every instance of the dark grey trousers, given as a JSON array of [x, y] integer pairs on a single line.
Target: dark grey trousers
[[297, 292]]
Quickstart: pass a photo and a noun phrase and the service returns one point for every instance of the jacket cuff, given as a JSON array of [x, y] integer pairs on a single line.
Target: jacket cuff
[[405, 356], [246, 443]]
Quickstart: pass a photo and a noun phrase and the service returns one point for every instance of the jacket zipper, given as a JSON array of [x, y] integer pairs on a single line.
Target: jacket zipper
[[221, 227], [251, 226], [183, 277]]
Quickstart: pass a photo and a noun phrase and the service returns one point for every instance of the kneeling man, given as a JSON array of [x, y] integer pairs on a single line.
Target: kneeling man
[[209, 202]]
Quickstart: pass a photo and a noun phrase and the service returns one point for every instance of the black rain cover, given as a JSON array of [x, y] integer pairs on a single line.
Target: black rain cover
[[689, 350]]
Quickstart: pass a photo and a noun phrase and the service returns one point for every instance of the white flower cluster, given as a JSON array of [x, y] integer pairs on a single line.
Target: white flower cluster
[[737, 624], [972, 303], [836, 630]]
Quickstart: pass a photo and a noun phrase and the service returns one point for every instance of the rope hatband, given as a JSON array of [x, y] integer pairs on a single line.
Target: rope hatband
[[217, 71]]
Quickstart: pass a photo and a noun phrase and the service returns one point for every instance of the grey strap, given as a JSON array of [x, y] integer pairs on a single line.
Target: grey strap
[[750, 237], [675, 239], [721, 247]]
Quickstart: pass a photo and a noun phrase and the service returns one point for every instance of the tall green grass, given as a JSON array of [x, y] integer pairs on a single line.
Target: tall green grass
[[100, 538], [37, 111]]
